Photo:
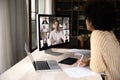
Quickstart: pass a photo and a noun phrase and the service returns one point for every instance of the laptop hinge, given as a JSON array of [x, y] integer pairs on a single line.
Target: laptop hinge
[[34, 65]]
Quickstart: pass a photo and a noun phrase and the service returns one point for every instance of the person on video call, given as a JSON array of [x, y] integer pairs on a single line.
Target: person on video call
[[105, 48], [45, 21], [45, 28], [56, 36], [44, 38]]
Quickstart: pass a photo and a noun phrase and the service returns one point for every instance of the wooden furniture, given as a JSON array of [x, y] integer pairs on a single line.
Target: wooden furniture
[[117, 25], [24, 69], [75, 9]]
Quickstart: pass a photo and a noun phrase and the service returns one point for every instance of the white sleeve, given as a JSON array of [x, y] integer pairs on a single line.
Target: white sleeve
[[62, 35]]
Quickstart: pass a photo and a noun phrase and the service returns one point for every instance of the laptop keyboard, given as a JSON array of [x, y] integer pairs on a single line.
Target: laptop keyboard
[[42, 65]]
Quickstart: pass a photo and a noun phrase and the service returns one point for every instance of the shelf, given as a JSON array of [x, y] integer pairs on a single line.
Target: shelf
[[82, 27], [75, 9], [64, 0], [117, 9], [58, 9], [69, 7]]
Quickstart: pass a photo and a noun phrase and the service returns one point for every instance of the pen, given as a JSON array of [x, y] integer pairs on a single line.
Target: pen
[[80, 60]]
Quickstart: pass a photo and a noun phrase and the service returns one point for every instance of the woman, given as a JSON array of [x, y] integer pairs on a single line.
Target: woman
[[56, 36], [105, 48]]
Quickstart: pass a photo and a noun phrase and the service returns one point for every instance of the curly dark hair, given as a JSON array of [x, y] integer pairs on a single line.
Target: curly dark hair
[[101, 13]]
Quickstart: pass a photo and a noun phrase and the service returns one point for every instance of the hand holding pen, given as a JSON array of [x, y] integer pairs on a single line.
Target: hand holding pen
[[82, 63]]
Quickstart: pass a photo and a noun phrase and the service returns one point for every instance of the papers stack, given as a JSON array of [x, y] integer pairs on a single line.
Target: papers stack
[[78, 72], [79, 51]]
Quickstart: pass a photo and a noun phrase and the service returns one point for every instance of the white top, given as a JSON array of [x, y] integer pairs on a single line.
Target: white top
[[56, 35], [45, 28]]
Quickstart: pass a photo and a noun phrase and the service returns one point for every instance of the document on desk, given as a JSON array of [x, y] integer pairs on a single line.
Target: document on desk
[[78, 72], [79, 51]]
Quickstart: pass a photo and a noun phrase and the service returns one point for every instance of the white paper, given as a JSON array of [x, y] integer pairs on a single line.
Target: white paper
[[78, 72], [79, 51]]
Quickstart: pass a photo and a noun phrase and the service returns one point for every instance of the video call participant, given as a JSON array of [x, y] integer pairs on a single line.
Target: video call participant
[[56, 36], [44, 38], [44, 28], [105, 48], [45, 21]]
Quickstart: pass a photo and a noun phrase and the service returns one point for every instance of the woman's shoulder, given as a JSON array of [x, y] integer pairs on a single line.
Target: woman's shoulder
[[100, 33], [53, 31], [97, 32]]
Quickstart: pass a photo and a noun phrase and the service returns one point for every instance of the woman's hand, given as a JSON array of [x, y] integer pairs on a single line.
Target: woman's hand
[[83, 63], [52, 41], [61, 40]]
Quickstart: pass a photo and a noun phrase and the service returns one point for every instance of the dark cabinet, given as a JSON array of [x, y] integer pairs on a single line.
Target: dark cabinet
[[75, 9]]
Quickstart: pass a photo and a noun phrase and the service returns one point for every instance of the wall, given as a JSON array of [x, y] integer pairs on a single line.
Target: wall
[[12, 32], [48, 6], [5, 47]]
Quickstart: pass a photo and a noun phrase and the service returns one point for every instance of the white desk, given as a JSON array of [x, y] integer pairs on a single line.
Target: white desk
[[24, 69]]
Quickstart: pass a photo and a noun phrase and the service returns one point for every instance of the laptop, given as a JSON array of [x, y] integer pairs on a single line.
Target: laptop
[[43, 65]]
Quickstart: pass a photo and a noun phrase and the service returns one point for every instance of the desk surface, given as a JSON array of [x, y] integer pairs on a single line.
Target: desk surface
[[24, 69]]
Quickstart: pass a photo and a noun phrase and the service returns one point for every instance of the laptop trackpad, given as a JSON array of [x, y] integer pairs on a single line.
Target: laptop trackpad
[[53, 64]]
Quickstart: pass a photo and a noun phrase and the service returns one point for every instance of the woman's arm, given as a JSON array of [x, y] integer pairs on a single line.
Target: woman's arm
[[98, 48]]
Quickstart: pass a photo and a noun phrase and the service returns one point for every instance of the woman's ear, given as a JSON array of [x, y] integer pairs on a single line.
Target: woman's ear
[[89, 25], [89, 22]]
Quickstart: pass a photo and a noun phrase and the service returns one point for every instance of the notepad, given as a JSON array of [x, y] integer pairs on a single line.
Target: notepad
[[78, 72]]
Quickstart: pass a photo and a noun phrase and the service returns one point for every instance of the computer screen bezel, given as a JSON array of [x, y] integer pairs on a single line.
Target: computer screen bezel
[[39, 33]]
